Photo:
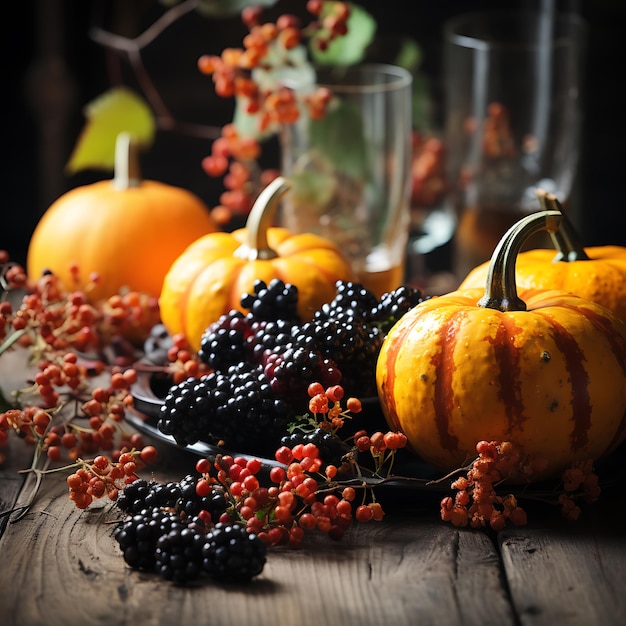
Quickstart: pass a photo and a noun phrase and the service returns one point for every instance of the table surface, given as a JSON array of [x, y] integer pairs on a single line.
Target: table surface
[[62, 566]]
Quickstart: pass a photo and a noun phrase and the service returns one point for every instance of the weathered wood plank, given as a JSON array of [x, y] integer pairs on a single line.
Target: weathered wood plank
[[11, 481], [569, 573]]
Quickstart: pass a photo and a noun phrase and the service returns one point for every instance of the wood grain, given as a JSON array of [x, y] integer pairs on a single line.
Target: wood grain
[[573, 575]]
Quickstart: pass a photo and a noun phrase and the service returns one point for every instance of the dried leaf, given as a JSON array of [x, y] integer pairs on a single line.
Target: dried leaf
[[117, 110]]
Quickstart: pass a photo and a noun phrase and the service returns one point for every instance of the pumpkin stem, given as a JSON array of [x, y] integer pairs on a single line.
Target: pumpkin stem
[[126, 173], [501, 290], [566, 241], [259, 220]]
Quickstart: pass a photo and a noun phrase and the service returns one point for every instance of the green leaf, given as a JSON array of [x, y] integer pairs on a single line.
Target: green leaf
[[312, 188], [117, 110], [339, 137], [350, 48], [410, 55]]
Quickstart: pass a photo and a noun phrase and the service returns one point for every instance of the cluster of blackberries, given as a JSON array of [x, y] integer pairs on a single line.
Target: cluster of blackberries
[[167, 530], [262, 363]]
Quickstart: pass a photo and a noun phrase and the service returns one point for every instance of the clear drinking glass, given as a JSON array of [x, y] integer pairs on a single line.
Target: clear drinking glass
[[513, 107], [350, 171]]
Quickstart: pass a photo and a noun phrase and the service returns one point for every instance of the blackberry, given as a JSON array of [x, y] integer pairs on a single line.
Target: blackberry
[[271, 302], [352, 298], [290, 372], [231, 553], [223, 343], [270, 337], [394, 304], [141, 494], [190, 503], [353, 344], [184, 413], [138, 534], [236, 408], [178, 552], [330, 445]]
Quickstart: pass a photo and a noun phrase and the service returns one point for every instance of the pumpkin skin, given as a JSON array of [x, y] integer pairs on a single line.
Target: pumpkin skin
[[129, 235], [596, 273], [550, 378], [601, 278], [211, 275]]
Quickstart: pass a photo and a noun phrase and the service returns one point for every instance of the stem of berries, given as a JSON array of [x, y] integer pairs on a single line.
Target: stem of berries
[[305, 492], [235, 73], [478, 504], [74, 405]]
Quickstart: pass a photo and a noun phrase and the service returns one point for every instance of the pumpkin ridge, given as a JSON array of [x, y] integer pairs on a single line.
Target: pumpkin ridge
[[617, 340], [233, 296], [394, 343], [444, 366], [579, 380], [184, 301], [507, 357]]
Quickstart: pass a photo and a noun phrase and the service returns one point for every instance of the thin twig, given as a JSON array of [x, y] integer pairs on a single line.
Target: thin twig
[[132, 48]]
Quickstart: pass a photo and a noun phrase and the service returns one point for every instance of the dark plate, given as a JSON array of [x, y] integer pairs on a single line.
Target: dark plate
[[150, 389]]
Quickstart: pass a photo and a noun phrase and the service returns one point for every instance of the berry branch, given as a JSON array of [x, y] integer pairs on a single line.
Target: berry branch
[[255, 76], [478, 504]]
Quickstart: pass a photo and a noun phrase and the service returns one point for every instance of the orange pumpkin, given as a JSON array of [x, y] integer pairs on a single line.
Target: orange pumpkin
[[548, 374], [127, 231], [596, 273], [212, 274]]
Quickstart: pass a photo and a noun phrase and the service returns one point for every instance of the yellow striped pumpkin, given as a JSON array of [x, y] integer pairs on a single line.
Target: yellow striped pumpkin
[[548, 374]]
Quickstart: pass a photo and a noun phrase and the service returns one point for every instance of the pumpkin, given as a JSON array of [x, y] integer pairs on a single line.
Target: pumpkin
[[127, 231], [596, 273], [548, 374], [209, 278]]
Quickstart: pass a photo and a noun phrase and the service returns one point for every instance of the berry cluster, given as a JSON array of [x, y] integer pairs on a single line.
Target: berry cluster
[[305, 492], [261, 363], [580, 483], [100, 477], [478, 505], [72, 419], [47, 316], [246, 73], [159, 535], [73, 404]]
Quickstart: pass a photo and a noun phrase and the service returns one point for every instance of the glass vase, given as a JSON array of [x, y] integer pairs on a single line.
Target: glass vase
[[350, 171]]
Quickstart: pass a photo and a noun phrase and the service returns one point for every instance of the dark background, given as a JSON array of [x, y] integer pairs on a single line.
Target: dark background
[[53, 68]]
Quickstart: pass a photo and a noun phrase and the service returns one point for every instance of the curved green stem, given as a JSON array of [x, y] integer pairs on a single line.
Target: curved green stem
[[566, 241], [500, 289], [259, 220], [126, 171]]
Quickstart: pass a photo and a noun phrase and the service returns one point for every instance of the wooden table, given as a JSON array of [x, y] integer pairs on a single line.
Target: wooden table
[[60, 566]]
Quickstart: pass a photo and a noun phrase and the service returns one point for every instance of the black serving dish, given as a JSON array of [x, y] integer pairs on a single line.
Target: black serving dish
[[151, 387]]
